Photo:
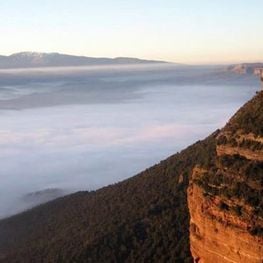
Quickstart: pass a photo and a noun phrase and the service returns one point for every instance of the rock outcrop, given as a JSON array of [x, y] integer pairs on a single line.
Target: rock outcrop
[[245, 68], [217, 235], [223, 150], [225, 197]]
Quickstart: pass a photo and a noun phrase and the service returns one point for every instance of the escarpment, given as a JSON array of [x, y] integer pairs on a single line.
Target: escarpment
[[225, 196]]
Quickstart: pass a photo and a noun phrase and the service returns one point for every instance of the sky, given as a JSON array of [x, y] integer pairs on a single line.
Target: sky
[[185, 31]]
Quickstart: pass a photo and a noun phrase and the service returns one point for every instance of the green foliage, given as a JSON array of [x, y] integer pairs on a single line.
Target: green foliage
[[250, 117], [252, 145]]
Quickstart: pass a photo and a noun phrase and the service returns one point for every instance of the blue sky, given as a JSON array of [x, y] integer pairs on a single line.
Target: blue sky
[[188, 31]]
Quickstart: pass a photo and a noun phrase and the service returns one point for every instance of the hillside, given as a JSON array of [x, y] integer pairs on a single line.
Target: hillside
[[205, 200], [142, 219], [35, 59]]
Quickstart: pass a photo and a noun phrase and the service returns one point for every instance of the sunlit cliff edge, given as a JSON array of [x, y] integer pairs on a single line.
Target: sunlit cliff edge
[[225, 197]]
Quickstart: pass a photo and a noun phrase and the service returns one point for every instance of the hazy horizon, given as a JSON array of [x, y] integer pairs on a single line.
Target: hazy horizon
[[141, 58]]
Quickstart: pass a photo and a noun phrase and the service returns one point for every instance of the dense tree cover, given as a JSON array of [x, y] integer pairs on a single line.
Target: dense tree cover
[[236, 142], [248, 170], [142, 219], [243, 183], [250, 117]]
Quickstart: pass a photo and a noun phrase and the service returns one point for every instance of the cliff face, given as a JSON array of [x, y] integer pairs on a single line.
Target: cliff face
[[225, 196], [217, 235]]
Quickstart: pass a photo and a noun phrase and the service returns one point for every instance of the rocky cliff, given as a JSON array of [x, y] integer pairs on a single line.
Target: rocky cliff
[[225, 196]]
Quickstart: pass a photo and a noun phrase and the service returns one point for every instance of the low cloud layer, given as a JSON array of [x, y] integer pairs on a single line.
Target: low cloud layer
[[77, 146]]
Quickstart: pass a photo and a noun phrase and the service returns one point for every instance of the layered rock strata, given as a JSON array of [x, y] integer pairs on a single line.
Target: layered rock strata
[[225, 196]]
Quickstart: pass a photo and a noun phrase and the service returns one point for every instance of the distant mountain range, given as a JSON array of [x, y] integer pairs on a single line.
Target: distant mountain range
[[35, 59]]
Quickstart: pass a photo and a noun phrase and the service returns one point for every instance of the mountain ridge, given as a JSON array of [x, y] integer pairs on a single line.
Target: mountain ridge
[[30, 59]]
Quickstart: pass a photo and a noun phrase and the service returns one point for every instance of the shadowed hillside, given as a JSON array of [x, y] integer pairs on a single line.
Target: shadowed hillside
[[142, 219]]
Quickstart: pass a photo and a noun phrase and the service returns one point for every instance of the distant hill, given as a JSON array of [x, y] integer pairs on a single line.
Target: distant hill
[[205, 202], [35, 59], [245, 68]]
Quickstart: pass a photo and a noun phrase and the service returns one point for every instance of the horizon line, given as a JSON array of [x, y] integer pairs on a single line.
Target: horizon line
[[194, 63]]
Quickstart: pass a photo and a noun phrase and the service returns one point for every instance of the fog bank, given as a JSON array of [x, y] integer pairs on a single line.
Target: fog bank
[[80, 130]]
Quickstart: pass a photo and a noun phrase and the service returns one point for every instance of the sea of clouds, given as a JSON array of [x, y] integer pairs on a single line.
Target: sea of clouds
[[86, 128]]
